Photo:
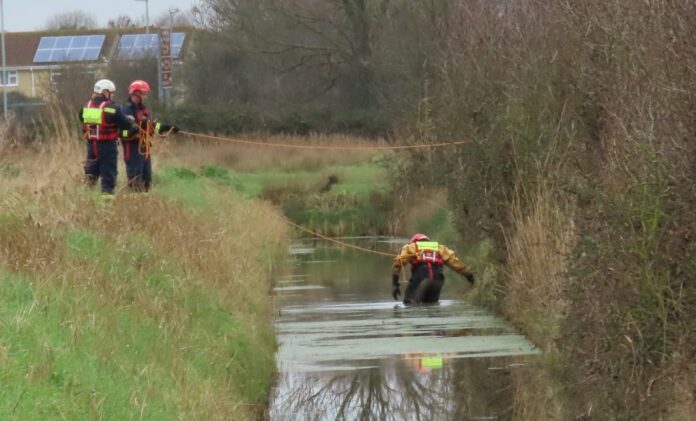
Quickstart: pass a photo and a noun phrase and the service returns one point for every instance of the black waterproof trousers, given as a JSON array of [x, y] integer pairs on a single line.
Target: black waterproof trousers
[[102, 163], [138, 166], [422, 288]]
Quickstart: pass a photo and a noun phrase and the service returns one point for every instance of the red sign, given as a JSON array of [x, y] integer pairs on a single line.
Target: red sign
[[165, 42], [166, 72], [166, 57]]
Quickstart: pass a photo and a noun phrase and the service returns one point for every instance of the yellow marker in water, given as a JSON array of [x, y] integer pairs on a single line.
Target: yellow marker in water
[[432, 362]]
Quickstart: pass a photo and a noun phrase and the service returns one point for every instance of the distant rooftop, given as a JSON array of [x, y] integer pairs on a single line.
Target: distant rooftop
[[25, 49]]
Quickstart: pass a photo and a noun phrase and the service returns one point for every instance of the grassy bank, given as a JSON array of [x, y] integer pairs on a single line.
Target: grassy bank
[[151, 306], [333, 192]]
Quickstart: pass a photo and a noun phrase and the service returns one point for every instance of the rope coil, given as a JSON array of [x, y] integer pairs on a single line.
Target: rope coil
[[145, 136]]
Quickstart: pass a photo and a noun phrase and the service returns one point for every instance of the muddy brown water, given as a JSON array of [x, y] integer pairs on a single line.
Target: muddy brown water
[[347, 350]]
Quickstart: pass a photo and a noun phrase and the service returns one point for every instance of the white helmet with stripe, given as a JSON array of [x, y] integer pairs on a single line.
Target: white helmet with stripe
[[104, 85]]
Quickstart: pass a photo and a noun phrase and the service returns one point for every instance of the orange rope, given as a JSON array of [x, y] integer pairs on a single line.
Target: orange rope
[[335, 241], [328, 147], [145, 139]]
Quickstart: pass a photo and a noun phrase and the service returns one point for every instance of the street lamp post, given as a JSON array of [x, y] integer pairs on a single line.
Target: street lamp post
[[147, 15], [173, 11], [4, 60]]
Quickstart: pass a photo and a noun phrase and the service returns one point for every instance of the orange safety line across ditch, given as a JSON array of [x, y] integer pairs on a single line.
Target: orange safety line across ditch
[[327, 147], [333, 240], [294, 225]]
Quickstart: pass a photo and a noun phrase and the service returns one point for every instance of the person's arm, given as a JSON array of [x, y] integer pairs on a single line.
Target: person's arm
[[400, 260], [455, 264], [406, 254], [161, 128], [126, 122]]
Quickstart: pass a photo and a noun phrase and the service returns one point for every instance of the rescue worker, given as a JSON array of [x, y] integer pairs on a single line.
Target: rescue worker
[[427, 259], [102, 119], [136, 148]]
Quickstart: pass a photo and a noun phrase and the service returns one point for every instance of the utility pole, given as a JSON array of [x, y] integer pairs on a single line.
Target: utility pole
[[4, 60], [173, 11], [147, 15]]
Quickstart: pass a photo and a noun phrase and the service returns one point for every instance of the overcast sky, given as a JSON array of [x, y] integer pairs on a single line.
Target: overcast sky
[[29, 15]]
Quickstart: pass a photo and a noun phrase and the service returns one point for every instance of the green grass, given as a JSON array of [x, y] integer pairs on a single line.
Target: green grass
[[358, 179], [359, 203], [136, 309], [71, 354]]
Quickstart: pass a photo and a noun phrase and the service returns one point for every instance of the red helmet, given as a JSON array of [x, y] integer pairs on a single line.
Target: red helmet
[[419, 237], [139, 85]]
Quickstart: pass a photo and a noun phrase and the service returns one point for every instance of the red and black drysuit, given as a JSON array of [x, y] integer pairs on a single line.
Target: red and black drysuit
[[427, 259], [102, 138], [136, 147]]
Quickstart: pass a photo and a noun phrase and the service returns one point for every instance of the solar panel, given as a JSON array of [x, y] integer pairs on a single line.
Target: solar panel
[[131, 47], [69, 48], [177, 41]]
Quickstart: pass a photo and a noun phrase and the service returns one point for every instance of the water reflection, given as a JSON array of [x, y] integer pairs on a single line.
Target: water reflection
[[382, 393], [416, 386], [346, 353]]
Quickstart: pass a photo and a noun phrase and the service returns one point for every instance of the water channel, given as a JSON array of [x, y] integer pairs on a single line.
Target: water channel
[[348, 351]]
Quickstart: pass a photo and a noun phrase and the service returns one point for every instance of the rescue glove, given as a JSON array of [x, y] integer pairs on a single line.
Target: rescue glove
[[470, 277], [164, 128], [396, 291]]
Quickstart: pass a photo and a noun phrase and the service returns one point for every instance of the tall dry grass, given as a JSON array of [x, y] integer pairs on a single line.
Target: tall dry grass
[[594, 101], [249, 158], [141, 307], [539, 247]]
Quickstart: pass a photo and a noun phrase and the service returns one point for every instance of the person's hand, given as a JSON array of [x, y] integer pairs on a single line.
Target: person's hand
[[470, 277], [396, 292]]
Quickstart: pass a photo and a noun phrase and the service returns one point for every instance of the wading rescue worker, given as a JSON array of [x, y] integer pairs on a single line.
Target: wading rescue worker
[[427, 259], [136, 148], [102, 119]]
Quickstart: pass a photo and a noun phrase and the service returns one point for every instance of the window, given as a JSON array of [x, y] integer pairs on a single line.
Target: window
[[12, 78]]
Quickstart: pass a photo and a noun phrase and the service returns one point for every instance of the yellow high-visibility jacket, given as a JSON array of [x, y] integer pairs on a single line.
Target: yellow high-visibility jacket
[[409, 252]]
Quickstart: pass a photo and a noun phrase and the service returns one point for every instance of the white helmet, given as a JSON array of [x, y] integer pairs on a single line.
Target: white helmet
[[104, 85]]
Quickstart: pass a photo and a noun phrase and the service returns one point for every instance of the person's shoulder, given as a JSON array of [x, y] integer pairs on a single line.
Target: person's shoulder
[[408, 247], [128, 108], [111, 107], [444, 249]]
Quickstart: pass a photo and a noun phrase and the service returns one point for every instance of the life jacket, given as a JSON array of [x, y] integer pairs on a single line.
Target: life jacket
[[428, 253], [96, 125]]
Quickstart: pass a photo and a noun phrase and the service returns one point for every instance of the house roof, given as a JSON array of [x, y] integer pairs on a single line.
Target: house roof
[[21, 47]]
